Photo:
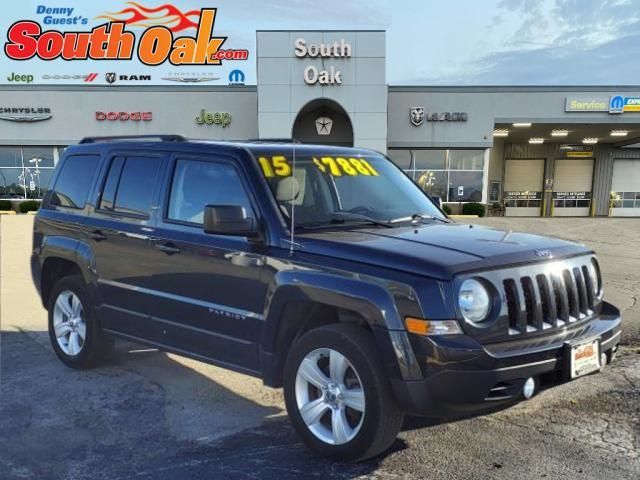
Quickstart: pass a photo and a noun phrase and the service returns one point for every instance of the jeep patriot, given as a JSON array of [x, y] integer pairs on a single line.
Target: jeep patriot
[[322, 270]]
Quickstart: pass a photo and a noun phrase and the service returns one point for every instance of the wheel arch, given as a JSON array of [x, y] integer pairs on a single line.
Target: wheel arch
[[305, 300], [60, 257]]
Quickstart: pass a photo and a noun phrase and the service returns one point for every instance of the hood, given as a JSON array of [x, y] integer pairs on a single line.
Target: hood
[[435, 249]]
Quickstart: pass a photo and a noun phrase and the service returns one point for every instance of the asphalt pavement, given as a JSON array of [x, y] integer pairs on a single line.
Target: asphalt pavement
[[150, 415]]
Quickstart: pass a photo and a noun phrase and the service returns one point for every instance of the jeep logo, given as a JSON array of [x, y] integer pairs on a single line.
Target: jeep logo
[[16, 77]]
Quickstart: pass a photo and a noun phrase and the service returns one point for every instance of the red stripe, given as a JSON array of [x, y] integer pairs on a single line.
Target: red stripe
[[91, 77]]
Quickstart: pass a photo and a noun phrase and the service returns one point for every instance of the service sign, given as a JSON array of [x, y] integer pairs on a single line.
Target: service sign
[[118, 42]]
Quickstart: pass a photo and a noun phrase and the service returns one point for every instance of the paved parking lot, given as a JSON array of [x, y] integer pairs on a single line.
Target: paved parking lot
[[149, 415]]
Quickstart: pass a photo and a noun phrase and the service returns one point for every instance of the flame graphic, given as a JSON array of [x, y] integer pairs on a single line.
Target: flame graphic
[[166, 15]]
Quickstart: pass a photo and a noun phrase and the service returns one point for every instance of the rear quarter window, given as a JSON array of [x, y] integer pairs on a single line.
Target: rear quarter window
[[74, 181]]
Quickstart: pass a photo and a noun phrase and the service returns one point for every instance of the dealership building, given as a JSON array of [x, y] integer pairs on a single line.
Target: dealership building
[[526, 151]]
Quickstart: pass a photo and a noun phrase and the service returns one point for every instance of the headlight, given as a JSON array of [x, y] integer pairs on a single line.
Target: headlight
[[474, 301]]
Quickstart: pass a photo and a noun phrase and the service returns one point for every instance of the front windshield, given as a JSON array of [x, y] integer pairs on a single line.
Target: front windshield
[[327, 189]]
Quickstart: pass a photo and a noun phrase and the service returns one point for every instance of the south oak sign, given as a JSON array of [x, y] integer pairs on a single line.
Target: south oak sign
[[112, 41], [311, 74]]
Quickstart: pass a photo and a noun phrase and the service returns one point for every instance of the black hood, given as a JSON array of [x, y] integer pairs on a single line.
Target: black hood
[[435, 249]]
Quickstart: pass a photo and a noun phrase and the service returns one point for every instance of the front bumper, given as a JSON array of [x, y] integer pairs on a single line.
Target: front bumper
[[463, 377]]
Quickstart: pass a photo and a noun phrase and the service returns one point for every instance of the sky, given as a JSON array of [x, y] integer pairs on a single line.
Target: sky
[[437, 42]]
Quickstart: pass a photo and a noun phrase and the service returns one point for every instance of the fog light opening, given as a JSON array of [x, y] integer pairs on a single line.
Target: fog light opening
[[529, 388], [603, 360]]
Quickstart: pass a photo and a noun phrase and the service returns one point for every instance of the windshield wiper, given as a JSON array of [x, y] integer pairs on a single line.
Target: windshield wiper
[[419, 216], [346, 219]]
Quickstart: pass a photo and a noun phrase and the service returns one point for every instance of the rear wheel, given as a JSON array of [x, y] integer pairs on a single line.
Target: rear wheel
[[74, 334], [337, 394]]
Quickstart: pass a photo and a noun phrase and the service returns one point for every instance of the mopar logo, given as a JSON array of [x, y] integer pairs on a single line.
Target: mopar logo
[[236, 77], [616, 104]]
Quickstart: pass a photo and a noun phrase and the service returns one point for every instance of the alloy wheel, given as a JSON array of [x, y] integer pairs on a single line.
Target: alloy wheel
[[329, 396], [69, 323]]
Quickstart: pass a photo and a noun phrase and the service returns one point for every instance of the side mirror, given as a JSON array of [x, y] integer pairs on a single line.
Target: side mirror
[[229, 220]]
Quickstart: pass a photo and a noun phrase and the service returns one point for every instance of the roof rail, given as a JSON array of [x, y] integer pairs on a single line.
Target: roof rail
[[117, 138], [273, 140]]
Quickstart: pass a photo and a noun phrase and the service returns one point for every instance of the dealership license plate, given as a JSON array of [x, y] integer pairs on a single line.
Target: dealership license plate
[[585, 358]]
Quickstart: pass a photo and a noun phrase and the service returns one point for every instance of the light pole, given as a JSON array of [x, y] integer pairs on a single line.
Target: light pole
[[36, 161]]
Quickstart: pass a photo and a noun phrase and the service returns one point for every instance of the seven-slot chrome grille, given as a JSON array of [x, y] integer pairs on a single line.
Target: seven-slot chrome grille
[[538, 298], [551, 296]]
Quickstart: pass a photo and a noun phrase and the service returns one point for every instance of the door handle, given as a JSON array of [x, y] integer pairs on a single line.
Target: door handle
[[167, 248], [97, 235]]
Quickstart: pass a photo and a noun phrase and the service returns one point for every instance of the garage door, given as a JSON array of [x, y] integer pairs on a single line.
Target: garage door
[[625, 188], [572, 182], [523, 187]]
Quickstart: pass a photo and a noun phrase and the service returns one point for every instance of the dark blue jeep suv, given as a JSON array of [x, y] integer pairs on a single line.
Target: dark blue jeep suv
[[323, 270]]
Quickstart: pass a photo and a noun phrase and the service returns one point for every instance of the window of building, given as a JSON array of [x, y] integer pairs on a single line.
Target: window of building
[[25, 172], [452, 175], [196, 184], [430, 159], [625, 199], [402, 158], [75, 179], [132, 192]]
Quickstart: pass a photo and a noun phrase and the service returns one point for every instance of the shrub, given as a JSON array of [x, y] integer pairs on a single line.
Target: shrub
[[446, 209], [5, 205], [473, 209], [29, 206]]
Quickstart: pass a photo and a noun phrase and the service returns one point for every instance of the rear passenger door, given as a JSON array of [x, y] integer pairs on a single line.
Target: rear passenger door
[[209, 293], [118, 231]]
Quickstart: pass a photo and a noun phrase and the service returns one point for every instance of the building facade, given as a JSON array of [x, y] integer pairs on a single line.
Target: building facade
[[527, 151]]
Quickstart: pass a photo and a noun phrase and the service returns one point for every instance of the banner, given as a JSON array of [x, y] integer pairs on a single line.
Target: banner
[[145, 42]]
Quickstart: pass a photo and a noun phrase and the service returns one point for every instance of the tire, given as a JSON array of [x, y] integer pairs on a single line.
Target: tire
[[70, 315], [366, 433]]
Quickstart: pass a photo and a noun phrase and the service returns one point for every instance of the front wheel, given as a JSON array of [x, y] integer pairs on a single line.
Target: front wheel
[[337, 394]]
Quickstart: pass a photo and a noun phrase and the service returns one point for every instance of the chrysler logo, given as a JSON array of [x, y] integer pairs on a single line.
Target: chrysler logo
[[545, 252], [25, 114]]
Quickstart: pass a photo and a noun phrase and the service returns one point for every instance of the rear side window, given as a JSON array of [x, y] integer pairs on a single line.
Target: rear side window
[[74, 181], [130, 184]]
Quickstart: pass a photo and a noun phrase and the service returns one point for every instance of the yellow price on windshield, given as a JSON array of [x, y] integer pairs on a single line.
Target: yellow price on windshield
[[339, 166], [278, 166]]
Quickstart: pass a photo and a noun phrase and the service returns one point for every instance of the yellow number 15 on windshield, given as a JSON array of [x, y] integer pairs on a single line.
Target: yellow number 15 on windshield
[[277, 165]]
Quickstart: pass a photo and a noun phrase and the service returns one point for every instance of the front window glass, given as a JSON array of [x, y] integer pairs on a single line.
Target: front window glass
[[197, 184], [335, 189]]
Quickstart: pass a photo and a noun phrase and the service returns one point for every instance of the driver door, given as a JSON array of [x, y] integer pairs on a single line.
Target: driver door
[[209, 290]]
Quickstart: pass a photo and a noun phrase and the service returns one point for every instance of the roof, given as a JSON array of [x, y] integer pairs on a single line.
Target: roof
[[179, 142]]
